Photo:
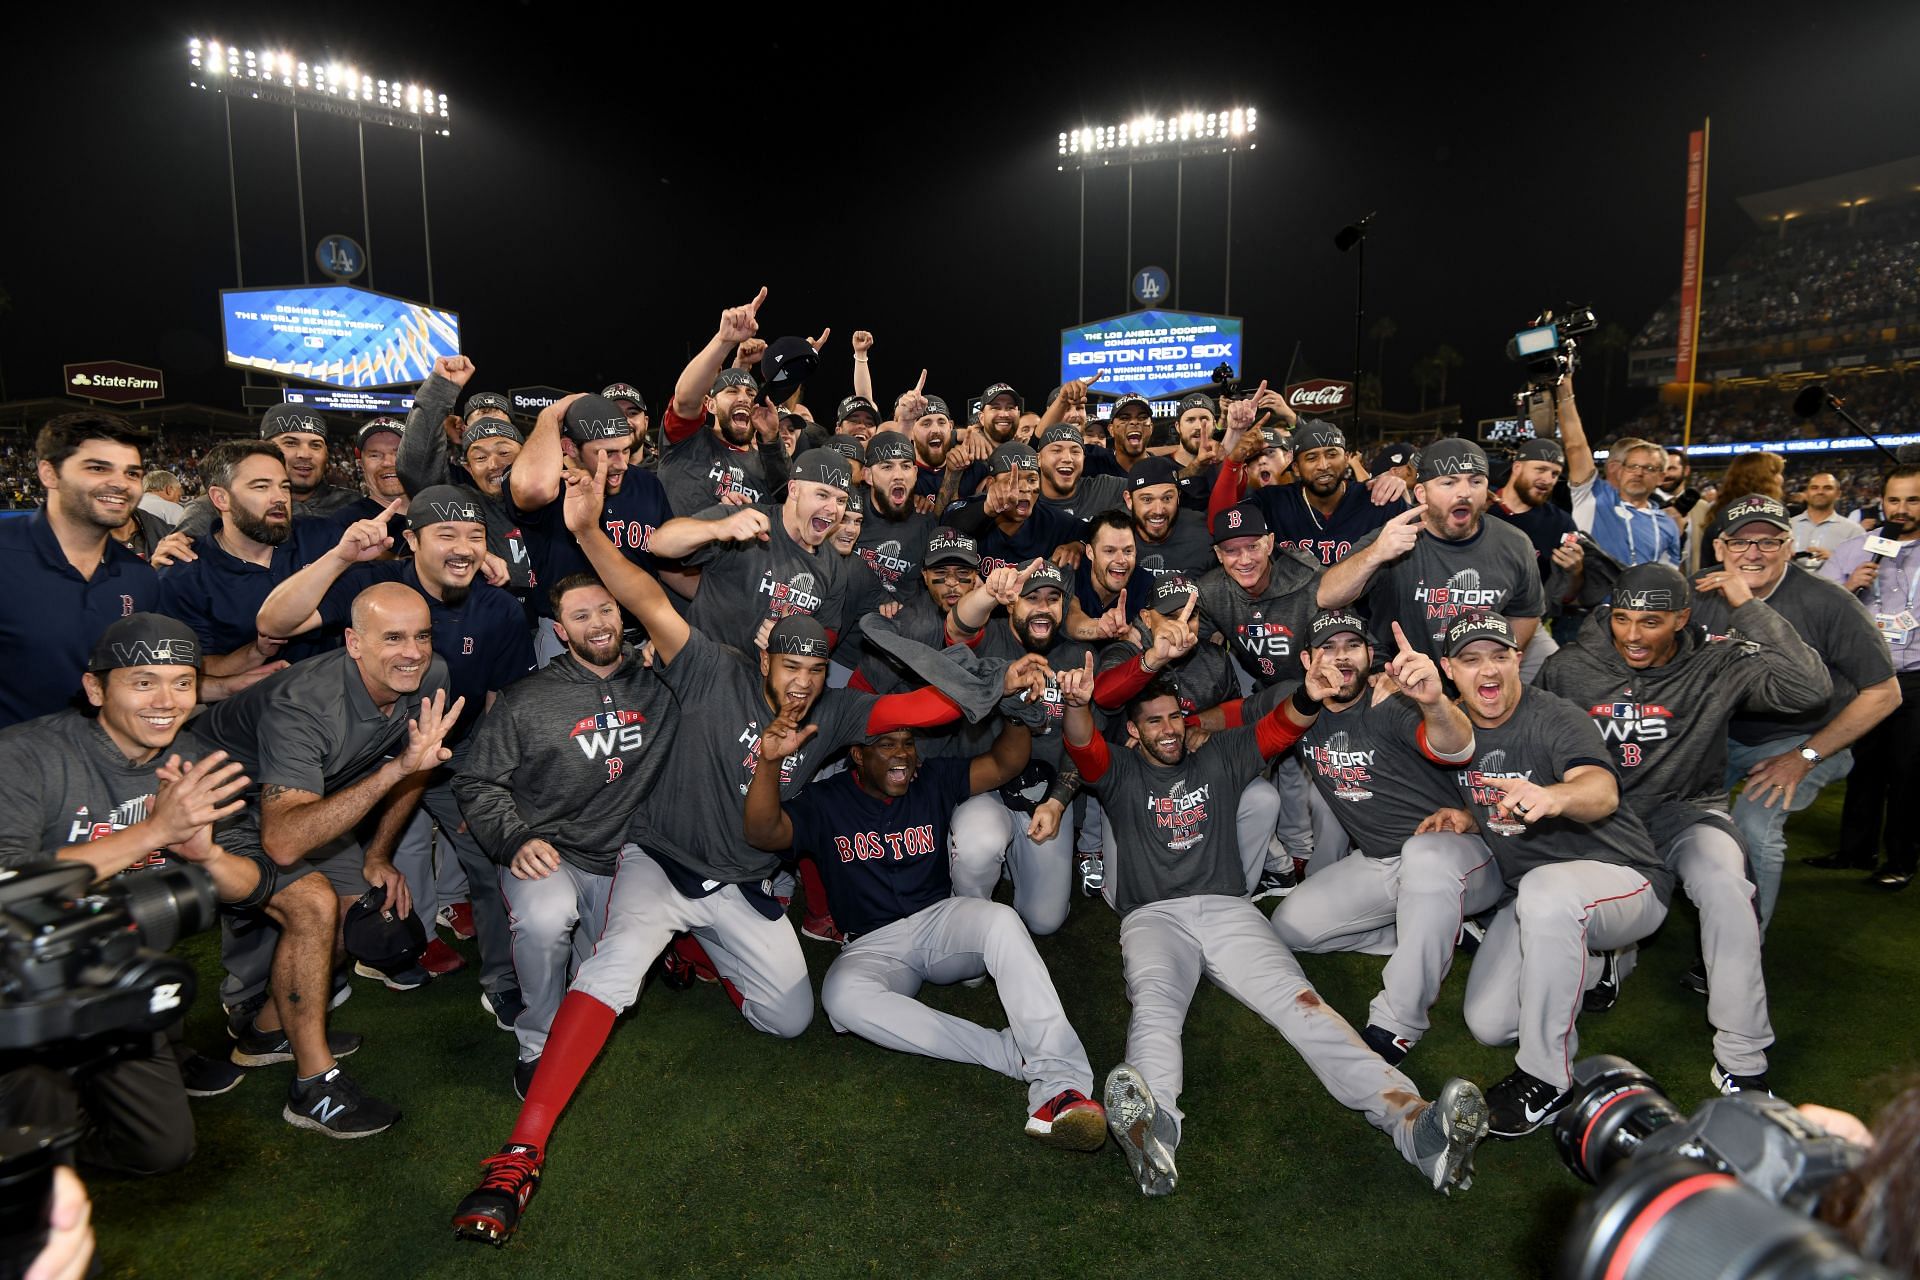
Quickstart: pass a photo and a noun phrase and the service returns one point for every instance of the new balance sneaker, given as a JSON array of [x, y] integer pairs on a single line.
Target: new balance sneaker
[[523, 1077], [439, 959], [333, 1104], [1445, 1135], [1695, 979], [256, 1048], [506, 1006], [1729, 1084], [1071, 1120], [207, 1077], [1604, 994], [1522, 1103], [1393, 1049], [408, 979], [822, 929], [457, 919], [1093, 871], [1276, 882], [1143, 1130], [491, 1212]]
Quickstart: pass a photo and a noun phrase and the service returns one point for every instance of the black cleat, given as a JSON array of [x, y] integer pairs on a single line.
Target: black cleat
[[1393, 1049], [1604, 994], [491, 1212], [523, 1077], [1522, 1103]]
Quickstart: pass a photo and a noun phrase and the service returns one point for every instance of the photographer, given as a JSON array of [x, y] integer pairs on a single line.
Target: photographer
[[1618, 510], [120, 787]]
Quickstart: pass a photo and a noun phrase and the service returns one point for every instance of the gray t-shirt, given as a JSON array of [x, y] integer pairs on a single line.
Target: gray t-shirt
[[895, 549], [1426, 589], [701, 469], [1187, 551], [744, 583], [1366, 761], [1545, 738], [67, 783]]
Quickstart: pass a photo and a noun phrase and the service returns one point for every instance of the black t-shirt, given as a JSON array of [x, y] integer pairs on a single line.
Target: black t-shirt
[[1330, 538], [894, 549], [1187, 549], [1091, 496], [1366, 761], [701, 469], [883, 859]]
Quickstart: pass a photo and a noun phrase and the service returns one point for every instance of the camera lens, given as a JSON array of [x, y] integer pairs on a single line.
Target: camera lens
[[1615, 1107], [27, 1157], [168, 903]]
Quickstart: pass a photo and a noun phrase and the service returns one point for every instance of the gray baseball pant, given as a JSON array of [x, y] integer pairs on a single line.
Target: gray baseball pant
[[760, 957], [490, 928], [1349, 906], [434, 882], [1252, 824], [556, 920], [1713, 869], [1330, 840], [986, 834], [870, 989], [1166, 946], [1293, 822], [1532, 967]]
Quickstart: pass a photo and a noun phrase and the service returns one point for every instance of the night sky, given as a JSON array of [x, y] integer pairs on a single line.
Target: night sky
[[609, 188]]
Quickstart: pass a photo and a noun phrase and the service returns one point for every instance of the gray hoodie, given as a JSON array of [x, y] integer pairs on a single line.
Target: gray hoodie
[[565, 756], [1667, 724]]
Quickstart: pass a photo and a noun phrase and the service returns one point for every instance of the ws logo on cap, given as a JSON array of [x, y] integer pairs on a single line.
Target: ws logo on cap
[[156, 653]]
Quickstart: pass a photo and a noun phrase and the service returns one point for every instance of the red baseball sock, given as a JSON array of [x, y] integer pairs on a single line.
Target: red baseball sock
[[688, 948], [816, 890], [580, 1029]]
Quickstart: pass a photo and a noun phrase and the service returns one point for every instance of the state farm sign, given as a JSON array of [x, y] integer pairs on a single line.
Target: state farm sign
[[114, 382], [1320, 396]]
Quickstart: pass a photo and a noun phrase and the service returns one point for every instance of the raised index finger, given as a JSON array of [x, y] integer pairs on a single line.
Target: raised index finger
[[1400, 638], [920, 387], [758, 298]]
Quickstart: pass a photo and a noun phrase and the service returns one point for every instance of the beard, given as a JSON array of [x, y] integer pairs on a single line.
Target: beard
[[258, 528], [1037, 644], [454, 595]]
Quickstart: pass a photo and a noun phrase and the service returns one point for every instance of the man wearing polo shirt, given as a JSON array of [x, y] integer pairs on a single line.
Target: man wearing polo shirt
[[326, 742], [488, 449], [1011, 525], [480, 633], [1441, 559], [1820, 530], [1787, 759], [1324, 513], [893, 539], [301, 436], [67, 579], [1173, 538], [739, 460]]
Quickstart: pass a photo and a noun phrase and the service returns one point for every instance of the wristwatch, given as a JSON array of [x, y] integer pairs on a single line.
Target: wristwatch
[[1811, 756]]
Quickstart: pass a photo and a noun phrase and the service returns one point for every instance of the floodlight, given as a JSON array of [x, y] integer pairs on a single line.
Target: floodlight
[[1148, 138], [338, 89]]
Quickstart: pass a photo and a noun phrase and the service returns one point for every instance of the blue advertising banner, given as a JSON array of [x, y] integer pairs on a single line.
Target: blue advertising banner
[[335, 334], [1151, 353]]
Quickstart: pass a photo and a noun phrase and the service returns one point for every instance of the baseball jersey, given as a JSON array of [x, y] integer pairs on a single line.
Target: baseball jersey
[[1667, 725], [67, 783], [219, 594], [882, 858], [630, 518], [1544, 738], [566, 756], [50, 616], [1094, 494], [1039, 535], [1837, 627], [744, 583], [1491, 571], [1370, 768], [894, 549], [1264, 635], [1187, 549], [699, 469], [1329, 538]]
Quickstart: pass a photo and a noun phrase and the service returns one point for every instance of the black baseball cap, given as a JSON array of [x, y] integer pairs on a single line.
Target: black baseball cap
[[785, 366], [285, 419], [848, 447], [1155, 470], [1197, 400], [1653, 586], [1329, 623], [1244, 520], [800, 635], [734, 378], [1452, 457], [1132, 398], [1060, 433], [822, 466], [936, 405], [623, 391], [385, 940], [488, 427], [1538, 450], [591, 418], [1317, 433], [988, 396], [1047, 575], [1394, 455], [1013, 454], [1754, 508], [856, 502], [947, 546], [888, 446], [1469, 627], [438, 503], [376, 426], [854, 404], [1171, 592], [482, 400], [145, 640]]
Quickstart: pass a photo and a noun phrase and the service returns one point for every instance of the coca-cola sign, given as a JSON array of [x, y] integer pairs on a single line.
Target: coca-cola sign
[[1320, 395]]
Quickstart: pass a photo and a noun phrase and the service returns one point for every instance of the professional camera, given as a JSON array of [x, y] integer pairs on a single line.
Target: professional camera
[[1725, 1192], [1225, 381], [1548, 348]]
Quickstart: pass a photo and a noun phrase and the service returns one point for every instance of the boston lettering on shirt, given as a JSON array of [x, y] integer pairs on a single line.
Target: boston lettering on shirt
[[742, 584], [1367, 763], [1544, 739], [1329, 538], [1187, 549], [1833, 623], [894, 549], [882, 858], [484, 640], [1493, 571], [629, 520], [1267, 635], [50, 616], [693, 815], [218, 594]]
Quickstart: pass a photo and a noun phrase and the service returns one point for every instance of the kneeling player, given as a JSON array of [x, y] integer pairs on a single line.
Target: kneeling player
[[1180, 886], [878, 833]]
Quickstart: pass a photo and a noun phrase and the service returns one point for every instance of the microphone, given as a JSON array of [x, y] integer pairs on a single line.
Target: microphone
[[1881, 549], [1352, 234], [1811, 400], [1814, 397]]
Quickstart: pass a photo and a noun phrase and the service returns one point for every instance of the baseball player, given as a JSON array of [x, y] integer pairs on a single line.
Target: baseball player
[[488, 446], [739, 459], [1178, 880], [1325, 514], [1007, 518], [1662, 698], [684, 869], [1442, 559], [893, 540], [1382, 756], [1172, 538], [878, 832], [1570, 868]]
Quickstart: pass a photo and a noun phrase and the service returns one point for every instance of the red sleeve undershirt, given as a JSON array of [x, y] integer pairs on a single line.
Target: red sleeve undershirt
[[920, 709], [1420, 736], [1091, 760], [859, 682], [1234, 713], [1274, 732], [1112, 687], [678, 428], [1226, 489]]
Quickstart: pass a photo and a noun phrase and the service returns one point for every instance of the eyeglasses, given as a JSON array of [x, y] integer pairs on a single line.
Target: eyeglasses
[[1748, 544], [1647, 468]]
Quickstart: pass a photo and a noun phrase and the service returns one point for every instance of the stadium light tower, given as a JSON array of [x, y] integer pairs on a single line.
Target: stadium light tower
[[334, 88], [1150, 139]]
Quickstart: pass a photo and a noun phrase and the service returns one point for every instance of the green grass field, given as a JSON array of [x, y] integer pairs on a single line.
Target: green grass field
[[698, 1146]]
